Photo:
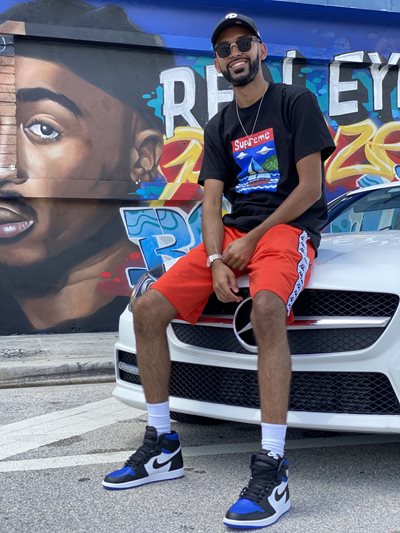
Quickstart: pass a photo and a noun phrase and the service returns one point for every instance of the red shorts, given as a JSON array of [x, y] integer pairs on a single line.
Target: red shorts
[[280, 264]]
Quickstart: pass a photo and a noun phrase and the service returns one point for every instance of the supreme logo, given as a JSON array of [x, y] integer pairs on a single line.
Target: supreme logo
[[244, 143]]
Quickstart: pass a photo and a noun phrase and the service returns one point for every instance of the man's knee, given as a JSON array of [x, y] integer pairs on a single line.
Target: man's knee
[[152, 310], [268, 312]]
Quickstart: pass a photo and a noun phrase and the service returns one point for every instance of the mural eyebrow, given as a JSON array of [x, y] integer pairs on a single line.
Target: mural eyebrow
[[39, 93]]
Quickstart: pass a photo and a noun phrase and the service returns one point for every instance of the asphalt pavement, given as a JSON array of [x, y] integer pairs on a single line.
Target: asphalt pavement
[[57, 443], [74, 358]]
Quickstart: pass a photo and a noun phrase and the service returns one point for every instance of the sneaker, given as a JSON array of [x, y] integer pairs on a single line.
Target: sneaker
[[158, 458], [266, 497]]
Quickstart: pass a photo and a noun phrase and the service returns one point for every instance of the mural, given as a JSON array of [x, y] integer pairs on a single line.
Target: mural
[[101, 146]]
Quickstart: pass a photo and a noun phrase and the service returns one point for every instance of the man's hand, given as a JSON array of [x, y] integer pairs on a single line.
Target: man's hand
[[238, 253], [224, 283]]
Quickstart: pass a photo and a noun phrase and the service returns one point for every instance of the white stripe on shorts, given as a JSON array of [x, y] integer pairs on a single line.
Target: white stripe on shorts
[[302, 267]]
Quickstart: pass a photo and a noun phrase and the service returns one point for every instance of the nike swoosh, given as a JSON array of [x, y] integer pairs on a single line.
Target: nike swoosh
[[154, 465], [278, 496]]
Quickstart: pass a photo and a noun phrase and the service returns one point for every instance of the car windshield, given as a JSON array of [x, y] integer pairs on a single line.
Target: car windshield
[[373, 210]]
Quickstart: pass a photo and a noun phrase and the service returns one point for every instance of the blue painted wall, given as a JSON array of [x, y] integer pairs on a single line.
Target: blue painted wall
[[101, 134]]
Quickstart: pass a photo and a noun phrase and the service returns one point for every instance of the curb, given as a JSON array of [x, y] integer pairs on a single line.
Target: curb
[[42, 360]]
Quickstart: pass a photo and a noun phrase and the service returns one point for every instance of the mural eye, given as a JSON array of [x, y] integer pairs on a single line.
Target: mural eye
[[44, 131]]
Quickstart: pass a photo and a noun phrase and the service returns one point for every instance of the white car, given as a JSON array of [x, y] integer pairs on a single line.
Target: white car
[[345, 342]]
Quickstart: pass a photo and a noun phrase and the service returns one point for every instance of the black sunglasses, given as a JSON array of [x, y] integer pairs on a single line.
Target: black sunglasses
[[243, 44]]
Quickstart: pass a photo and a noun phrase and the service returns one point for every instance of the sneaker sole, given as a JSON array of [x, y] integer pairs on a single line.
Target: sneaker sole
[[162, 476], [253, 524]]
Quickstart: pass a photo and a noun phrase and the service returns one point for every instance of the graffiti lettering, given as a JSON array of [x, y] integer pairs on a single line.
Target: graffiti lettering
[[214, 95], [6, 45], [169, 78], [2, 44], [288, 65], [366, 153], [189, 158], [337, 87], [161, 234], [346, 92], [378, 69]]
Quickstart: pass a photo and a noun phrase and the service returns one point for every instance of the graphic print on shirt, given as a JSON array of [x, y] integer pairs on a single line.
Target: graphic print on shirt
[[256, 156]]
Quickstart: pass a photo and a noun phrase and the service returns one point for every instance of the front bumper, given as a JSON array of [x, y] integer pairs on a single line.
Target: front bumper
[[364, 394]]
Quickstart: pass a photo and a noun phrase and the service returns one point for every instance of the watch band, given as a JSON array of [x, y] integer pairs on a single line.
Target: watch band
[[212, 258]]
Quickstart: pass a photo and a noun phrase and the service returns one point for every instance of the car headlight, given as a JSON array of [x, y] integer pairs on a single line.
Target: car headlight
[[144, 283]]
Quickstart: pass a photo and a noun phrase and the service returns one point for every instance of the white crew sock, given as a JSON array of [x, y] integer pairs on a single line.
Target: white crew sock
[[158, 417], [273, 437]]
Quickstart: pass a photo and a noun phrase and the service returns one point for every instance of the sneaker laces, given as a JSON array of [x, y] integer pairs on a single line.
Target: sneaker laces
[[259, 487], [141, 455]]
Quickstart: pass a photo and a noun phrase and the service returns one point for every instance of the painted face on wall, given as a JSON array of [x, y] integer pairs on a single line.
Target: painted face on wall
[[74, 141]]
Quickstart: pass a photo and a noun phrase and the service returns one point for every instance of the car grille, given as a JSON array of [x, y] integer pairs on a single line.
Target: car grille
[[345, 303], [301, 341], [310, 303], [328, 392], [321, 302]]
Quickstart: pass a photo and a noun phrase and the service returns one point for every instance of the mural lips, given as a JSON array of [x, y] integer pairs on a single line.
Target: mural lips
[[242, 326], [15, 219]]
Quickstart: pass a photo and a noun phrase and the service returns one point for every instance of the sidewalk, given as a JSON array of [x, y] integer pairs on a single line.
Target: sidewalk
[[31, 360]]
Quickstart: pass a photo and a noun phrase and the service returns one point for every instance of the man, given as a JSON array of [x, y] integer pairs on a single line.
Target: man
[[86, 141], [265, 151]]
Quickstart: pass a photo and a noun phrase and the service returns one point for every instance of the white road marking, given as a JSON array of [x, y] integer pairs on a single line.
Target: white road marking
[[32, 433], [191, 451]]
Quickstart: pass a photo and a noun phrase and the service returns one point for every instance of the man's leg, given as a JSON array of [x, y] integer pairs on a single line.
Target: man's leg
[[279, 266], [274, 368], [152, 314], [160, 456], [184, 288], [268, 318], [266, 497]]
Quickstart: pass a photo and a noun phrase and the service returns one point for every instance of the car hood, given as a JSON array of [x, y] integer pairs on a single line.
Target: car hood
[[365, 261], [359, 261]]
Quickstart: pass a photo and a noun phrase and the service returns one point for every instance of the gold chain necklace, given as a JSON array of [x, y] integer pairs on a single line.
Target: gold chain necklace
[[255, 122]]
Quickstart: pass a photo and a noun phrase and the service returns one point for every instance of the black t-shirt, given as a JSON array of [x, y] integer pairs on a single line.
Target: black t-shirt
[[259, 171]]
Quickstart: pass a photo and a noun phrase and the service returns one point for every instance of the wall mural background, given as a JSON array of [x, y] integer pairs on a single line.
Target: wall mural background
[[101, 119]]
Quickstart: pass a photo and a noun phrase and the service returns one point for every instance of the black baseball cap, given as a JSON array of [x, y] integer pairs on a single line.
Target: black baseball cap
[[234, 19]]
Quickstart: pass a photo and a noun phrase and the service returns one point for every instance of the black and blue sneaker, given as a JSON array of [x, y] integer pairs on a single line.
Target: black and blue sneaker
[[158, 458], [266, 497]]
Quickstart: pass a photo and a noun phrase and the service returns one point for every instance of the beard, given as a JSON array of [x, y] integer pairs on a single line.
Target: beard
[[244, 79]]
